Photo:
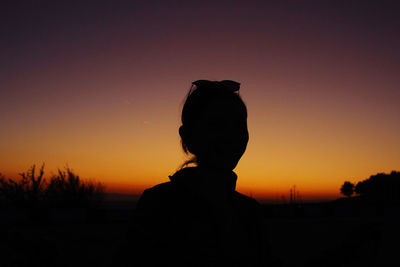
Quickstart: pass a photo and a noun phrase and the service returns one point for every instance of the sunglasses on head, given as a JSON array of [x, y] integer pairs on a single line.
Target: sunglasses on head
[[231, 85]]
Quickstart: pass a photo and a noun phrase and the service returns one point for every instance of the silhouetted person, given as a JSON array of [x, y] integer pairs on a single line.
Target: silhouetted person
[[197, 218]]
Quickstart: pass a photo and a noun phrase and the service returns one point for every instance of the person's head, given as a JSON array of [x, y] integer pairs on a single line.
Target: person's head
[[214, 124]]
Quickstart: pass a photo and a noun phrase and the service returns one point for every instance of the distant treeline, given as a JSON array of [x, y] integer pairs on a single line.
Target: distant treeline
[[65, 189], [380, 186]]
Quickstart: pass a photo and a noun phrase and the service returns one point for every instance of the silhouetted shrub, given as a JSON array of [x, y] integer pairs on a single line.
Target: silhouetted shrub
[[25, 192], [67, 190]]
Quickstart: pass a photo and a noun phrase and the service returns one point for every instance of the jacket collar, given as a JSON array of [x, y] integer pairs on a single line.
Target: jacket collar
[[190, 174]]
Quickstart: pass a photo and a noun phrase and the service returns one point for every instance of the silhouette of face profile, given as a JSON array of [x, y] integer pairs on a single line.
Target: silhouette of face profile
[[219, 137]]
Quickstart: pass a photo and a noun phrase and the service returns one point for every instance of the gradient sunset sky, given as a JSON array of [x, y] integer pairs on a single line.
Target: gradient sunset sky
[[99, 85]]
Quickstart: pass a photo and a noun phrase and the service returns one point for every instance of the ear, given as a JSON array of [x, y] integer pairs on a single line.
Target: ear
[[186, 138], [181, 132]]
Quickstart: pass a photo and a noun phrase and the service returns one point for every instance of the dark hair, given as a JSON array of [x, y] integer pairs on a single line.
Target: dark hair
[[202, 93]]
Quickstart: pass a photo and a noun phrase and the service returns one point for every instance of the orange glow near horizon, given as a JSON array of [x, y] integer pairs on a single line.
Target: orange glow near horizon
[[102, 91], [130, 148]]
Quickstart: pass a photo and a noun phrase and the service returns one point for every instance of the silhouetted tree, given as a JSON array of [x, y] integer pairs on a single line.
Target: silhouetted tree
[[380, 186], [347, 189], [361, 188]]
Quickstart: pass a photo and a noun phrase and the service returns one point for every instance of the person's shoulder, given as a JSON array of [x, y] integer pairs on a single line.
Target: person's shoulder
[[246, 201], [248, 207], [157, 196], [160, 189]]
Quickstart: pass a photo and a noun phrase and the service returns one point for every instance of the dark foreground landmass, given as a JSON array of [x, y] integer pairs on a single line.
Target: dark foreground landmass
[[315, 234]]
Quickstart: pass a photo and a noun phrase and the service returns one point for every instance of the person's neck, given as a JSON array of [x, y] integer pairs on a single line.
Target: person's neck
[[218, 176], [210, 170]]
